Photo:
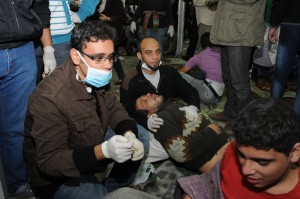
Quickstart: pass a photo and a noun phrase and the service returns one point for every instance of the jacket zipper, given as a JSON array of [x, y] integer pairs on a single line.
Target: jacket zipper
[[17, 21]]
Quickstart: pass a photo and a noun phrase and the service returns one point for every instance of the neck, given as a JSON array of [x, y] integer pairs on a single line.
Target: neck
[[149, 72], [287, 183]]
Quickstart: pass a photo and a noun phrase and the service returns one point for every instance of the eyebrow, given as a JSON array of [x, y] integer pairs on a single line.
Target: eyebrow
[[254, 159]]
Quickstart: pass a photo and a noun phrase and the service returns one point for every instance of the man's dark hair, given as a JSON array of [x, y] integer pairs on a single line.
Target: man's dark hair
[[141, 40], [91, 31], [267, 124]]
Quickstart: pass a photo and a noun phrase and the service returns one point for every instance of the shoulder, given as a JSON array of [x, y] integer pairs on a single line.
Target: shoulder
[[131, 76]]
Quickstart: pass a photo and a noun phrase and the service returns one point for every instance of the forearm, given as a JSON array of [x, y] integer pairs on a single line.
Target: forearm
[[46, 37]]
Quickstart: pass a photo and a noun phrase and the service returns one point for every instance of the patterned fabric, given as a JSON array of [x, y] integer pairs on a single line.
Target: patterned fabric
[[205, 186], [186, 141]]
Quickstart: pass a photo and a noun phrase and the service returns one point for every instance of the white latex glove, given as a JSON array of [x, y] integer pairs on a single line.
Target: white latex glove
[[117, 148], [191, 112], [171, 31], [49, 60], [138, 147], [75, 17], [132, 27], [154, 122]]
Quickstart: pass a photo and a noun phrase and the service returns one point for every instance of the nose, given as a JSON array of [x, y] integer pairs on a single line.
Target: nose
[[248, 167], [108, 64]]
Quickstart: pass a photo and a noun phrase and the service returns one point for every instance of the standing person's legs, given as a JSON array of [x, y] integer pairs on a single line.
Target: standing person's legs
[[193, 38], [286, 52], [288, 48], [118, 66], [236, 78], [18, 72], [160, 35], [62, 52], [39, 62]]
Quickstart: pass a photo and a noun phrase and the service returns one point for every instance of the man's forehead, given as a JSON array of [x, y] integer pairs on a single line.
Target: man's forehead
[[150, 44]]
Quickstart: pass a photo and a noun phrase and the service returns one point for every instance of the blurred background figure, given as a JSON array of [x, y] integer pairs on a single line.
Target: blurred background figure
[[154, 18]]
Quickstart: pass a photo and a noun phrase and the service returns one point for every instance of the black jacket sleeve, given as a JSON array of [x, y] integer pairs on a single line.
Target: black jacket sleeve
[[41, 8]]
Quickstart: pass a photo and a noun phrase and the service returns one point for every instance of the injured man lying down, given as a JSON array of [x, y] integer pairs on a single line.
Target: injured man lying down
[[195, 145]]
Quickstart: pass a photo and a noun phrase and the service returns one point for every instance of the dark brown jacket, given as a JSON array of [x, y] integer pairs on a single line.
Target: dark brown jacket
[[62, 127]]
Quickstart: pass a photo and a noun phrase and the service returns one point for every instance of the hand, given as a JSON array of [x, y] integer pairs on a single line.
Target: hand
[[154, 122], [138, 147], [49, 60], [273, 34], [132, 27], [117, 148], [191, 112], [75, 17], [212, 5], [104, 17], [171, 31]]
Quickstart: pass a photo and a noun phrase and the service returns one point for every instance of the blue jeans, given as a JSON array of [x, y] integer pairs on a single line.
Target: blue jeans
[[235, 62], [62, 52], [160, 35], [17, 80], [121, 175], [288, 48]]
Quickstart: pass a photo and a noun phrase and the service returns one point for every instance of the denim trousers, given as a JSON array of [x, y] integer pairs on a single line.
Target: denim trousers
[[62, 52], [158, 34], [235, 62], [121, 175], [18, 71], [288, 48]]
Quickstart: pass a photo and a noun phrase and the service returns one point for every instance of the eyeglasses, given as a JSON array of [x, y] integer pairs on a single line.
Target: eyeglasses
[[100, 59]]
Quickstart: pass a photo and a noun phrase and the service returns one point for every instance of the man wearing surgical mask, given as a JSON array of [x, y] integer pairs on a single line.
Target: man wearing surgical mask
[[151, 76], [75, 125]]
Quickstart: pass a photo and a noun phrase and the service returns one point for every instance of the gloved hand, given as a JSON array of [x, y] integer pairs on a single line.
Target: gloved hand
[[117, 148], [171, 31], [191, 112], [138, 147], [154, 122], [75, 17], [49, 60], [132, 27]]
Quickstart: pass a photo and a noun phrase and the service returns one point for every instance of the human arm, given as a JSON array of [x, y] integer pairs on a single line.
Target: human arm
[[54, 154], [86, 9], [183, 89], [48, 57], [184, 69], [273, 34]]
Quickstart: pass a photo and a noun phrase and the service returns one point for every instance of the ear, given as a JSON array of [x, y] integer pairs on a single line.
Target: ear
[[139, 56], [74, 56], [295, 154]]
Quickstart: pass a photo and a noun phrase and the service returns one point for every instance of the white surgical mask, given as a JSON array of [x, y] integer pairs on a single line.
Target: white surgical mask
[[145, 66]]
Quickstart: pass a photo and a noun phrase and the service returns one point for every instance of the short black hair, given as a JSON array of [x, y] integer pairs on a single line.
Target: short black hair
[[267, 124], [142, 39], [91, 31]]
